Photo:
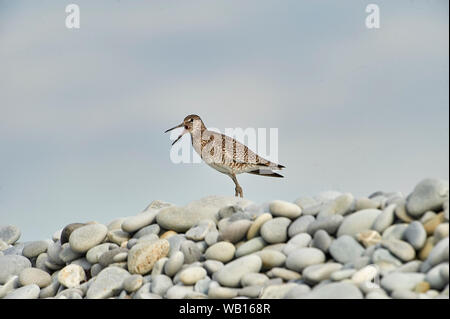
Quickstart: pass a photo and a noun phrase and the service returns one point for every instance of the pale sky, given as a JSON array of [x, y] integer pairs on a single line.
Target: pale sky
[[82, 112]]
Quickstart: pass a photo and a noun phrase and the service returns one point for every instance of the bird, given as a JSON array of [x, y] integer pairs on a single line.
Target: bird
[[225, 154]]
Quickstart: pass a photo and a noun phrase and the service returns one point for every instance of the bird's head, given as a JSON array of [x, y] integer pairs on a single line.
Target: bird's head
[[190, 123]]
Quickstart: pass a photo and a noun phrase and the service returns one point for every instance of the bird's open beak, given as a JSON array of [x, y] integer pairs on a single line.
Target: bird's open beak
[[178, 138]]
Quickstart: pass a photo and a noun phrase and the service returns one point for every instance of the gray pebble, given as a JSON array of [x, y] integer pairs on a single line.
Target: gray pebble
[[251, 246], [9, 234], [11, 265], [322, 240], [160, 285], [345, 249], [25, 292], [133, 283], [329, 224], [174, 263], [334, 291], [429, 194], [385, 219], [304, 257], [358, 222], [415, 234], [300, 225], [35, 248], [275, 230]]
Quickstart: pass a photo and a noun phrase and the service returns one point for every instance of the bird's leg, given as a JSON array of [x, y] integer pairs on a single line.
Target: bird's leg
[[238, 188]]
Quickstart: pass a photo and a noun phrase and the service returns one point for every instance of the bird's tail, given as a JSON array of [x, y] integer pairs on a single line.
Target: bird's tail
[[265, 172]]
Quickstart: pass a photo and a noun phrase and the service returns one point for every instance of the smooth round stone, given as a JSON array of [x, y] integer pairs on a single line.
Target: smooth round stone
[[158, 268], [199, 231], [251, 246], [147, 230], [133, 283], [385, 219], [339, 290], [67, 231], [282, 208], [175, 242], [358, 222], [134, 223], [426, 249], [108, 283], [395, 231], [178, 292], [271, 258], [401, 281], [275, 230], [222, 251], [367, 273], [9, 234], [35, 248], [11, 284], [253, 279], [143, 256], [11, 265], [116, 223], [250, 291], [109, 257], [36, 276], [84, 238], [429, 194], [212, 266], [329, 224], [235, 231], [318, 273], [345, 249], [400, 249], [382, 255], [369, 238], [212, 237], [342, 274], [283, 273], [67, 255], [377, 295], [431, 225], [297, 291], [118, 236], [202, 285], [231, 274], [304, 257], [342, 205], [276, 291], [434, 276], [441, 231], [191, 275], [322, 240], [25, 292], [160, 285], [94, 253], [174, 263], [412, 266], [191, 251], [403, 294], [71, 276], [300, 225], [416, 235], [217, 292], [366, 203], [254, 229], [300, 240], [401, 213]]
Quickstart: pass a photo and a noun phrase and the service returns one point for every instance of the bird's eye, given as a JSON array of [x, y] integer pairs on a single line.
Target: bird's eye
[[186, 127], [191, 120]]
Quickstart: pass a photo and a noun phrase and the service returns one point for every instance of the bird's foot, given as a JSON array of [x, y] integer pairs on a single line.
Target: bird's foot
[[239, 191]]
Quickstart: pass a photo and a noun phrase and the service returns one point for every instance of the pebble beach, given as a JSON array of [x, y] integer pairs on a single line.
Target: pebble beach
[[334, 245]]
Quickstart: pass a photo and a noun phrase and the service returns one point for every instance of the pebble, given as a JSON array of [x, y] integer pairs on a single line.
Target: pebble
[[439, 253], [11, 265], [118, 236], [366, 203], [283, 273], [174, 263], [276, 291], [342, 274], [199, 231], [317, 273], [147, 230], [67, 255], [160, 285], [251, 246], [275, 230], [271, 258], [95, 252], [281, 208], [133, 282], [191, 275], [230, 275], [71, 276], [434, 276], [440, 232], [329, 224], [382, 255], [429, 194], [190, 251], [255, 228], [367, 273], [84, 238], [385, 219], [401, 281], [341, 205], [142, 257], [253, 279], [369, 238], [212, 266], [29, 276], [66, 232], [300, 225], [296, 291], [400, 249], [300, 240], [431, 225], [235, 231], [303, 257], [25, 292], [415, 234], [9, 234], [108, 283], [250, 291], [358, 222], [345, 249], [134, 223], [338, 290], [395, 231], [158, 267], [322, 240], [11, 284], [217, 292], [35, 248]]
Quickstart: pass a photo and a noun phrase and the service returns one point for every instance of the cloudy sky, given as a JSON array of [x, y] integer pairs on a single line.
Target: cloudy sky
[[82, 112]]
